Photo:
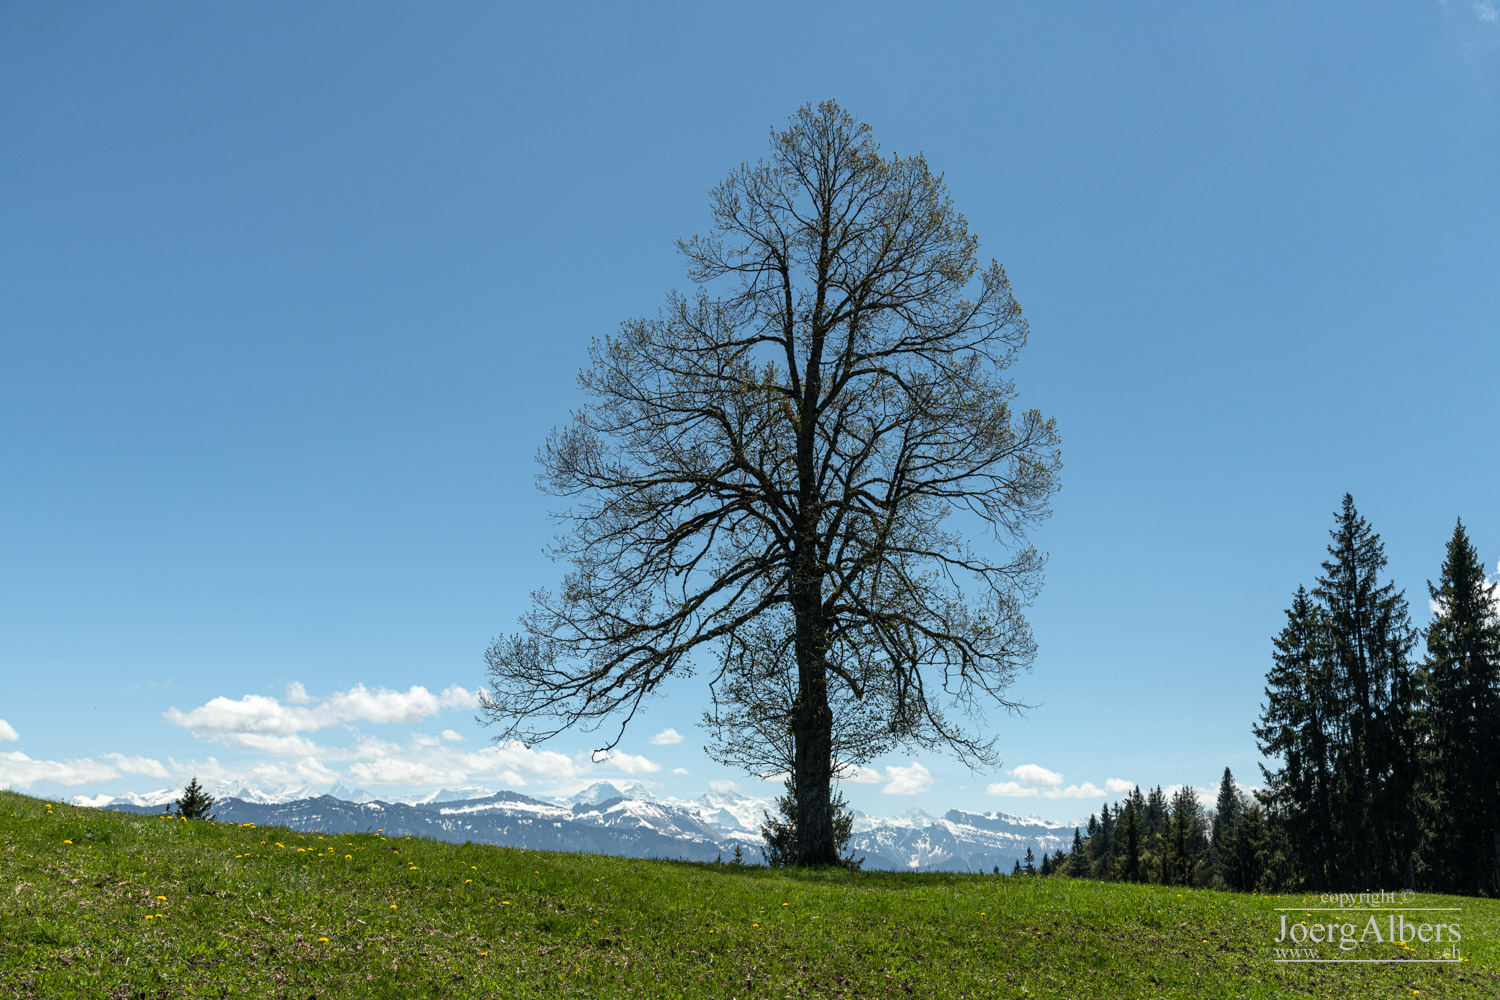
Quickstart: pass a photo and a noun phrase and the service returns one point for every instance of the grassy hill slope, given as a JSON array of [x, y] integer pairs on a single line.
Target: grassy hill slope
[[102, 904]]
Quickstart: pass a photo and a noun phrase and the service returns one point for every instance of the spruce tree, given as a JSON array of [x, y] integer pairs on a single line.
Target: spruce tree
[[1226, 814], [1046, 863], [1017, 869], [195, 802], [1131, 826], [780, 832], [1079, 865], [1370, 639], [1029, 866], [1185, 840], [1461, 682], [1106, 839], [1299, 726]]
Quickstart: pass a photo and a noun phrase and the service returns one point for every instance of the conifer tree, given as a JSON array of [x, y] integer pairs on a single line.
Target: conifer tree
[[1046, 863], [1156, 812], [1131, 825], [1461, 682], [1079, 865], [1029, 867], [195, 802], [1017, 869], [1241, 862], [1185, 840], [1226, 814], [1370, 643], [1297, 725], [781, 834]]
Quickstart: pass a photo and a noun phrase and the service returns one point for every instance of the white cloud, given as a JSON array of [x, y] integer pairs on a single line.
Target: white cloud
[[723, 787], [425, 740], [396, 771], [1487, 11], [632, 763], [910, 780], [307, 771], [452, 736], [1087, 790], [253, 713], [681, 770], [1207, 794], [1118, 786], [859, 775], [515, 760], [666, 737], [1036, 776], [19, 771], [137, 765], [1010, 790], [7, 732], [282, 746], [360, 704]]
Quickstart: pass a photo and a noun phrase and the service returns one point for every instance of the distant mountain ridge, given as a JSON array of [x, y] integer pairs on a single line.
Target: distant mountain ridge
[[630, 821]]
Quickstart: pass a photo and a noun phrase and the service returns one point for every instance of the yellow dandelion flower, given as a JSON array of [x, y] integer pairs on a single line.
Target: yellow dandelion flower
[[393, 906], [162, 898], [504, 902], [67, 842], [324, 940], [150, 915], [348, 857], [786, 904]]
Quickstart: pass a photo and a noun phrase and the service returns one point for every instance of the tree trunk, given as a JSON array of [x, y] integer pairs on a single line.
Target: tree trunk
[[814, 749]]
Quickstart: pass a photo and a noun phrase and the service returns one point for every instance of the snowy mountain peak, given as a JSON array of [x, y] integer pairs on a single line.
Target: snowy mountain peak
[[603, 791]]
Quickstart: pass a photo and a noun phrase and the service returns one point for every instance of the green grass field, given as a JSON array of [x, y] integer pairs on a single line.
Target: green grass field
[[101, 904]]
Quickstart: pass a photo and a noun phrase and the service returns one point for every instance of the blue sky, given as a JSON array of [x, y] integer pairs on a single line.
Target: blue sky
[[290, 294]]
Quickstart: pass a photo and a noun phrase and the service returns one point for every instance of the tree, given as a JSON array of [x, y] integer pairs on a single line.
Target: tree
[[1370, 643], [1185, 840], [1241, 856], [1226, 814], [1132, 870], [783, 454], [1341, 716], [1028, 865], [195, 803], [1296, 726], [780, 832], [1461, 681], [1017, 869], [1079, 866]]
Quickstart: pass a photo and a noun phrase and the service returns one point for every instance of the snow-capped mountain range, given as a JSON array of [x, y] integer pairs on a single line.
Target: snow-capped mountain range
[[623, 819]]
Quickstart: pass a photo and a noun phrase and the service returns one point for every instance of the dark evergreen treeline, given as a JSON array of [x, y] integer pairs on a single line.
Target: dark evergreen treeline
[[1172, 839], [1387, 765]]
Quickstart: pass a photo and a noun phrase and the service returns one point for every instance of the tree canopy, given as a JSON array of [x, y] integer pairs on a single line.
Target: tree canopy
[[778, 477]]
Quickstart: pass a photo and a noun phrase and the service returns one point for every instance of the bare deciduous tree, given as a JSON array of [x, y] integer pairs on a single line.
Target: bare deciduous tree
[[777, 468]]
